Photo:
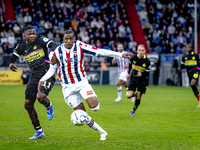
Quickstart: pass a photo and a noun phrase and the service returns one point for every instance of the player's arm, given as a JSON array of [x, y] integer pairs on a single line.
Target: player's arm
[[110, 53], [198, 63], [114, 61], [13, 58], [90, 50], [129, 68], [182, 65], [49, 74]]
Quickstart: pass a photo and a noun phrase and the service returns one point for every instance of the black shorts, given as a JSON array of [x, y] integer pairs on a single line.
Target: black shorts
[[193, 76], [32, 87], [134, 84]]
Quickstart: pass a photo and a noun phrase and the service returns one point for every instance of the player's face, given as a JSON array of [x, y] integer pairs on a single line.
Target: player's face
[[120, 48], [189, 48], [141, 51], [30, 35], [69, 40]]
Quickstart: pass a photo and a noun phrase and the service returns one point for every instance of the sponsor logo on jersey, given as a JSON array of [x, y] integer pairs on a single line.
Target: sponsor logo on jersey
[[89, 92], [143, 65]]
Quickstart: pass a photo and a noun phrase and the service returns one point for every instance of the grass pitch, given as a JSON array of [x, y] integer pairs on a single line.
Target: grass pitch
[[167, 118]]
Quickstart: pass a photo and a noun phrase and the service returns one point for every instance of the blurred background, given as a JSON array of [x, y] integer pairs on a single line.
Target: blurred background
[[164, 27]]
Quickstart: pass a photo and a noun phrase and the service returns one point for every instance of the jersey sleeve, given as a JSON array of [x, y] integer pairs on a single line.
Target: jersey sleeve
[[88, 49], [182, 63], [45, 42], [16, 54]]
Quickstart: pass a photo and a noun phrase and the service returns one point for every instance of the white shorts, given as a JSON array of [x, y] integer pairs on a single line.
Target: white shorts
[[72, 93], [123, 75]]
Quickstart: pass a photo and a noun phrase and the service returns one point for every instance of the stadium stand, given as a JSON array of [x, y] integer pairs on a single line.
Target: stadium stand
[[101, 23], [166, 26]]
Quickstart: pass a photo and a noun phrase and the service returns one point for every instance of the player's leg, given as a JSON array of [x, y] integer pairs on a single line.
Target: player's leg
[[91, 98], [43, 99], [141, 90], [119, 90], [137, 103], [193, 81], [29, 106]]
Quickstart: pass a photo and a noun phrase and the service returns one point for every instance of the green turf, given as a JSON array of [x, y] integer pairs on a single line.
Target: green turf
[[168, 118]]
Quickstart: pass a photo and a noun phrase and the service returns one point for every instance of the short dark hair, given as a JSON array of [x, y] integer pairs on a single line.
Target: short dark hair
[[27, 28], [69, 32]]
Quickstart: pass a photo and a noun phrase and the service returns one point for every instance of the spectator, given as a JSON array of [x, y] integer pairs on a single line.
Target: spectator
[[27, 19], [74, 23]]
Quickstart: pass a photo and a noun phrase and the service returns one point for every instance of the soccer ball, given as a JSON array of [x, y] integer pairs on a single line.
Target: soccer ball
[[79, 117]]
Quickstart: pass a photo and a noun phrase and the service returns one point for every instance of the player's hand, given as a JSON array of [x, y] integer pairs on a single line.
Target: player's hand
[[113, 61], [39, 85], [127, 55], [13, 67], [139, 74], [54, 60], [179, 69], [127, 76]]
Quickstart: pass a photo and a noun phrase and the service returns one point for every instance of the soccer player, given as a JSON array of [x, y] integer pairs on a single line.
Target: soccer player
[[69, 61], [122, 71], [139, 69], [190, 61], [34, 49]]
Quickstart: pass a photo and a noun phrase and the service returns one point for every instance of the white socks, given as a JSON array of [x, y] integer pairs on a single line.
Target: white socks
[[119, 91]]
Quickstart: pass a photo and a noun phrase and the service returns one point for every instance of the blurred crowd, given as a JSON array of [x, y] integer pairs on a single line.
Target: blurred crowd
[[101, 23], [167, 25]]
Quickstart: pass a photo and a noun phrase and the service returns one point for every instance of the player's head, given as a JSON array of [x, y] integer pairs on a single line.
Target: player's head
[[29, 33], [120, 47], [189, 48], [68, 38], [141, 50]]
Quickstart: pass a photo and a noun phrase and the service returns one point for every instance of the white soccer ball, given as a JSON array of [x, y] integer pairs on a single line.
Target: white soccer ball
[[79, 117]]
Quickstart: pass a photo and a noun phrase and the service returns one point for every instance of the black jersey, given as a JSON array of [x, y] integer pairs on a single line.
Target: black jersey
[[36, 54], [137, 64], [190, 62]]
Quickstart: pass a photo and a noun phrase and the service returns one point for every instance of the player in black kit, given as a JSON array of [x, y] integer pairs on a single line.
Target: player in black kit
[[139, 69], [34, 49], [190, 61]]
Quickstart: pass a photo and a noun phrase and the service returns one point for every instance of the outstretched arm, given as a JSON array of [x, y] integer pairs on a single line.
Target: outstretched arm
[[48, 75], [109, 53]]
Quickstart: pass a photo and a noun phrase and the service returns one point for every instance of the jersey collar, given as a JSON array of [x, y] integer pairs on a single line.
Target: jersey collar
[[142, 57], [191, 53], [68, 50]]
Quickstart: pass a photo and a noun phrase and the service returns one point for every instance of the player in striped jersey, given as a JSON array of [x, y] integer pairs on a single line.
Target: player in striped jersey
[[69, 58], [123, 64], [190, 61]]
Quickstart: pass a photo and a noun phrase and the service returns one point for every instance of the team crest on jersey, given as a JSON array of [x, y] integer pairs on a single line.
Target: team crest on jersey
[[35, 47], [185, 58], [75, 53], [134, 62], [193, 58], [143, 65], [70, 104], [45, 39]]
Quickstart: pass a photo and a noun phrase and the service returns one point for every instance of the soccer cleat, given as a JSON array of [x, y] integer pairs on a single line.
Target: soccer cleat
[[133, 99], [132, 112], [50, 112], [103, 136], [118, 99], [38, 135]]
